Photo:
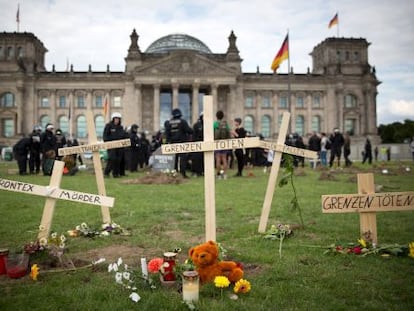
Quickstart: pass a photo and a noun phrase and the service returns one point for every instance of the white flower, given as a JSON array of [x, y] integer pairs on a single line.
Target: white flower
[[54, 235], [62, 238], [62, 245], [104, 233], [134, 297], [113, 267], [105, 225], [43, 242], [84, 226], [119, 262], [118, 277], [41, 228], [100, 260], [126, 275], [78, 228]]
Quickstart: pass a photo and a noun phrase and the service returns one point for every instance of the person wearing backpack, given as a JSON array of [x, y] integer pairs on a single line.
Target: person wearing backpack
[[221, 131], [239, 132]]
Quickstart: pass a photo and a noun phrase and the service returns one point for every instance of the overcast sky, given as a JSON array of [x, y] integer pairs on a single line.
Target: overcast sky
[[97, 32]]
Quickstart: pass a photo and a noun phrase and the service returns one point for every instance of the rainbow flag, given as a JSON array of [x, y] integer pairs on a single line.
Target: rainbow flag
[[281, 55], [333, 21]]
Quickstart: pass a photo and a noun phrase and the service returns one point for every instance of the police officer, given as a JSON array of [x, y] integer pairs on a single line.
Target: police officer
[[134, 150], [197, 158], [114, 131], [34, 154], [177, 130], [21, 150]]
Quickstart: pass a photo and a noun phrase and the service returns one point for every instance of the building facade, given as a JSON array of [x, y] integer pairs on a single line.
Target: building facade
[[176, 71]]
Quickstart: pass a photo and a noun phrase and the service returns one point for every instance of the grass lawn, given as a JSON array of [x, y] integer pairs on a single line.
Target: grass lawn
[[161, 217]]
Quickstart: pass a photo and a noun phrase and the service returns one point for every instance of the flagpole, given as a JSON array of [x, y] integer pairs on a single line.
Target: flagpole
[[18, 17], [70, 117], [289, 91]]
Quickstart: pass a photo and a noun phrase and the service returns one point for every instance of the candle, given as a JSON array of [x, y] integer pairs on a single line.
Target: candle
[[190, 286], [144, 268], [169, 258]]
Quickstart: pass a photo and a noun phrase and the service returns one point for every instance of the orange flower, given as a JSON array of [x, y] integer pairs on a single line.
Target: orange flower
[[34, 272]]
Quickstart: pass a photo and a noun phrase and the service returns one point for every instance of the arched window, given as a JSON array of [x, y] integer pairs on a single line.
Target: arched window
[[350, 101], [265, 122], [44, 120], [300, 125], [63, 122], [316, 124], [249, 124], [81, 129], [99, 125], [7, 100]]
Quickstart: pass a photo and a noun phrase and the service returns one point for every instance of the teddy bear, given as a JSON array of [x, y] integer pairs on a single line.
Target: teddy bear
[[205, 258]]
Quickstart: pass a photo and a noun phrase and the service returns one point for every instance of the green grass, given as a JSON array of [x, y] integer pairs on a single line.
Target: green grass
[[162, 217]]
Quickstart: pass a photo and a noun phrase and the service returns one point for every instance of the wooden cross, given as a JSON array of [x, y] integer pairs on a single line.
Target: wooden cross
[[367, 203], [208, 146], [94, 146], [279, 147], [53, 193]]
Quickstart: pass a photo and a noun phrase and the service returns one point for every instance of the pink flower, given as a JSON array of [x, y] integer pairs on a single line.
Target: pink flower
[[155, 264], [357, 250]]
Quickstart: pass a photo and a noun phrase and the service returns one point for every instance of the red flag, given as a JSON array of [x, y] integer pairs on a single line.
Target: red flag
[[18, 14], [334, 21], [281, 55], [105, 107]]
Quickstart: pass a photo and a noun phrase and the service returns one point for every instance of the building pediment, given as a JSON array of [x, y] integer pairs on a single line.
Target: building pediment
[[185, 63]]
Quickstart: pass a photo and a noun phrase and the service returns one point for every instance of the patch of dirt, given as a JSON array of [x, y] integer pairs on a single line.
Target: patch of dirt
[[327, 176], [156, 178]]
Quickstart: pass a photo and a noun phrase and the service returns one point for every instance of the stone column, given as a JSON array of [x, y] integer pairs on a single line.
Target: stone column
[[258, 112], [73, 115], [53, 108], [308, 103], [175, 87], [232, 101], [156, 107], [214, 94], [138, 96], [292, 109], [195, 106], [89, 99], [20, 114]]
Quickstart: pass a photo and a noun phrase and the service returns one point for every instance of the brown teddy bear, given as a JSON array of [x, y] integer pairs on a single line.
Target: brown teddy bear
[[205, 258]]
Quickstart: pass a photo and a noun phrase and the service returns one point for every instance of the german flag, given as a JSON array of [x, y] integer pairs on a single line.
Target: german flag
[[281, 55], [334, 21]]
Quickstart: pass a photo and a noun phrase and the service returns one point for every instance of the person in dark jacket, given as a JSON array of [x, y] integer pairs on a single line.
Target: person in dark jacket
[[48, 144], [367, 152], [177, 130], [35, 150], [134, 149], [21, 150], [337, 141], [239, 132], [197, 158], [114, 131], [60, 142]]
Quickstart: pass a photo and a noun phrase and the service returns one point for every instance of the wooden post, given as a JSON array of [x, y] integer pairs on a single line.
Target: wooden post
[[50, 203], [367, 203], [273, 174], [94, 146]]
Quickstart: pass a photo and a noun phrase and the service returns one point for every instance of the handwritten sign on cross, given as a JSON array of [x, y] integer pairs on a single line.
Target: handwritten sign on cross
[[367, 203], [94, 146], [52, 194]]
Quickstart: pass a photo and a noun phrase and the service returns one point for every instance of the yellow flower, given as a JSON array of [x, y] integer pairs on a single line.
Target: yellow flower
[[242, 286], [411, 248], [34, 272], [362, 243], [221, 281]]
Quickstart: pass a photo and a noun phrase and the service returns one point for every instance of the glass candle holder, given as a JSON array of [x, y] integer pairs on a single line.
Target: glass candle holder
[[3, 258], [169, 257], [190, 286]]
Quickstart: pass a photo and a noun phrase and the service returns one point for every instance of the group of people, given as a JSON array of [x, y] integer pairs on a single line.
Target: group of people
[[38, 150]]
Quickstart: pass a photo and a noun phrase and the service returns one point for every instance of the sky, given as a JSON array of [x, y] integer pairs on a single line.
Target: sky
[[96, 32]]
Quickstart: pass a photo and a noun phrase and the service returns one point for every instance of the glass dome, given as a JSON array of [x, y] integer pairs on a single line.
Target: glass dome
[[177, 42]]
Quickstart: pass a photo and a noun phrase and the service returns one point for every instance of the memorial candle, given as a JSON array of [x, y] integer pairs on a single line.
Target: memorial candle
[[190, 286]]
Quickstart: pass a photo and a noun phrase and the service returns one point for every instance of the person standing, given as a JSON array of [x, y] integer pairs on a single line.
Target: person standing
[[221, 131], [34, 154], [347, 149], [60, 142], [315, 145], [197, 157], [134, 149], [21, 150], [239, 132], [325, 145], [177, 130], [337, 141], [48, 144], [114, 131], [367, 152]]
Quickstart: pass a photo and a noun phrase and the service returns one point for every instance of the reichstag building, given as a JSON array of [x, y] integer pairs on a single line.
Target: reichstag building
[[176, 71]]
